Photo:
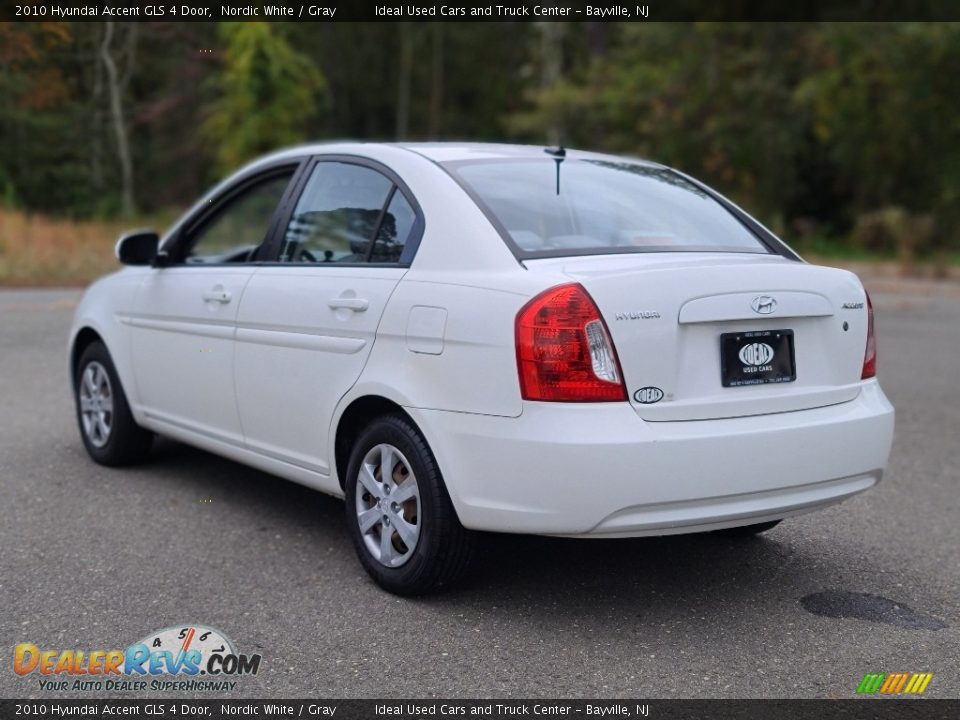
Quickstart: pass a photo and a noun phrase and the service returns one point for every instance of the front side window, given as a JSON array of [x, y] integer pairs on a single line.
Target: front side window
[[340, 211], [588, 206], [237, 229]]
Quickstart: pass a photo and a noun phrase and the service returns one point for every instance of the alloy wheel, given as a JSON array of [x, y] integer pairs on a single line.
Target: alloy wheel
[[96, 404], [388, 505]]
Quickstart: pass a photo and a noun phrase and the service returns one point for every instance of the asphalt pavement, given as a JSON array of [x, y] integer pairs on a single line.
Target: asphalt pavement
[[93, 558]]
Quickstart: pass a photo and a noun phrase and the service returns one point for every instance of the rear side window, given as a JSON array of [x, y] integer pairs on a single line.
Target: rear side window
[[586, 206], [394, 231], [351, 214]]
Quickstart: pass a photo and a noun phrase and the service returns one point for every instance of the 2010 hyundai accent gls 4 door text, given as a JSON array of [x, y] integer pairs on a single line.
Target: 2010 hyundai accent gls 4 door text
[[460, 337]]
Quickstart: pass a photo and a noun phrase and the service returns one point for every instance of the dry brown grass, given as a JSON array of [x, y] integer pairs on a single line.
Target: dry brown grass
[[39, 250]]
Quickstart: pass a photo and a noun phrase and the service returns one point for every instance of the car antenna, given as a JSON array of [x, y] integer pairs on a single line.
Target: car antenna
[[558, 153]]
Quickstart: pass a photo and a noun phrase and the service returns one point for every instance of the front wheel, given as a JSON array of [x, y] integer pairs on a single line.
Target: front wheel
[[402, 523], [109, 432]]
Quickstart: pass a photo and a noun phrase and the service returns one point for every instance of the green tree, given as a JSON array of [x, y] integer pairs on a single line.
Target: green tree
[[268, 93], [38, 163], [714, 99], [885, 101]]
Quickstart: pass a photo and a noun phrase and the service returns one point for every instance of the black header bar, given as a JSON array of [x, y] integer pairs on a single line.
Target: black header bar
[[477, 10]]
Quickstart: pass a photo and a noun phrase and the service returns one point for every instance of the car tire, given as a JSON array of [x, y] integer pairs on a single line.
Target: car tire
[[107, 428], [408, 537], [747, 531]]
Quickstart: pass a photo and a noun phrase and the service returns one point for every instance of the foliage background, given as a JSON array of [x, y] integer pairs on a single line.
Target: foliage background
[[844, 138]]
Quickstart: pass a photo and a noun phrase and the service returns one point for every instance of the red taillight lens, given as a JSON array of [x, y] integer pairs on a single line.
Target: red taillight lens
[[564, 352], [870, 356]]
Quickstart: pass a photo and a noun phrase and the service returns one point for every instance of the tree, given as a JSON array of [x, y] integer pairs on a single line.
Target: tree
[[116, 85], [35, 113], [436, 81], [885, 100], [404, 78], [267, 93]]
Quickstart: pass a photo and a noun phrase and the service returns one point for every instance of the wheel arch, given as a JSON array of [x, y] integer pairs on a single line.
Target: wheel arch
[[355, 416], [83, 339]]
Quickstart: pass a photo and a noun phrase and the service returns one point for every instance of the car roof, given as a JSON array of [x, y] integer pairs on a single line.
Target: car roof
[[445, 152], [459, 151]]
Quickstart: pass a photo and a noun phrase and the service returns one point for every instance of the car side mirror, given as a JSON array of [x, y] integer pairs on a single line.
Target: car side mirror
[[138, 248]]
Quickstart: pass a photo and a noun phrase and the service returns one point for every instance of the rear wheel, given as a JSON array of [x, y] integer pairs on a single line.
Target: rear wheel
[[402, 523], [109, 432], [747, 531]]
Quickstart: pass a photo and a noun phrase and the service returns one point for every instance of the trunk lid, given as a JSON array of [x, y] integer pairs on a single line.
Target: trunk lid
[[666, 313]]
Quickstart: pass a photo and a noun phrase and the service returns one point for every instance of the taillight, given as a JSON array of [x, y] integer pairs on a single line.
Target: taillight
[[870, 356], [564, 352]]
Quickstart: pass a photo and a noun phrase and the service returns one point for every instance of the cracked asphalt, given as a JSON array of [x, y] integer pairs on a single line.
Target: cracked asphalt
[[94, 558]]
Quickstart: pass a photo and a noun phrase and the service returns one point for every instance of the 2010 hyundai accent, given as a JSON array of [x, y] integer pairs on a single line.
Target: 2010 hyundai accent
[[487, 337]]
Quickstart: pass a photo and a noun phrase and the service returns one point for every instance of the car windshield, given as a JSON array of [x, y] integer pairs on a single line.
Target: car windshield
[[551, 207]]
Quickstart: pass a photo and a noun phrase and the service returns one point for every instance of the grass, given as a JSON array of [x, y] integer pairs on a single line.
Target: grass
[[821, 247], [942, 265], [36, 250]]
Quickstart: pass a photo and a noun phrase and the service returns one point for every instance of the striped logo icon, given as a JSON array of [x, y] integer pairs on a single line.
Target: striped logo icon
[[894, 683]]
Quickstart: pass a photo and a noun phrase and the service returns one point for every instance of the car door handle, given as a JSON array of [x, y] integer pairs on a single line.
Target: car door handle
[[355, 304], [219, 296]]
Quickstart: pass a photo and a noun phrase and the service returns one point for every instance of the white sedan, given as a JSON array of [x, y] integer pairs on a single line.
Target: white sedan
[[465, 337]]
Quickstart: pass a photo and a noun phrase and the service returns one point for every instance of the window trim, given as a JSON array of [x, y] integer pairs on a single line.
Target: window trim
[[270, 253], [376, 228], [195, 223]]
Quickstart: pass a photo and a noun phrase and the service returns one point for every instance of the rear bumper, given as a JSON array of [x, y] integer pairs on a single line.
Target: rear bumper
[[599, 470]]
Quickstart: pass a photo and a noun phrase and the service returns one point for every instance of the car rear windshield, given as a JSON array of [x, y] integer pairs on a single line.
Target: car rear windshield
[[553, 208]]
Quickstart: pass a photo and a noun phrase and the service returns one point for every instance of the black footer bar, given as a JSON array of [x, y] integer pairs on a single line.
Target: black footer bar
[[161, 709]]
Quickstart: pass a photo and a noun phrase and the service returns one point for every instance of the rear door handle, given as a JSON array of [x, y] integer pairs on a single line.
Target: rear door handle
[[218, 296], [355, 304]]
